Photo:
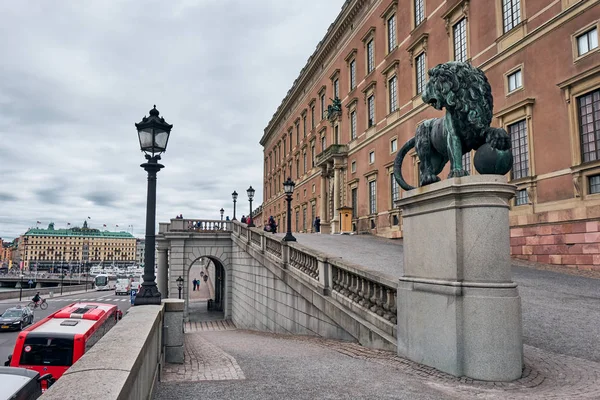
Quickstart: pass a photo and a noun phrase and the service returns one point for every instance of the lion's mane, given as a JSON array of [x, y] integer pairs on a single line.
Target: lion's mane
[[463, 89]]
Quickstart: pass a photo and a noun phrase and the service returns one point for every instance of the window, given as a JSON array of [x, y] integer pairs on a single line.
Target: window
[[336, 88], [322, 105], [297, 133], [514, 81], [371, 157], [284, 146], [394, 145], [336, 134], [370, 56], [394, 189], [352, 74], [594, 184], [297, 168], [323, 143], [391, 23], [312, 153], [392, 85], [353, 125], [291, 144], [511, 14], [373, 197], [304, 125], [53, 352], [354, 202], [587, 42], [466, 162], [589, 125], [304, 218], [304, 161], [520, 149], [353, 166], [460, 40], [297, 224], [521, 197], [419, 12], [371, 110], [312, 117], [420, 62]]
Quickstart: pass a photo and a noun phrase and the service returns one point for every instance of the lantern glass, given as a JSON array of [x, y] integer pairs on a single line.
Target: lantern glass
[[160, 140], [222, 211], [250, 192], [146, 138], [288, 186], [179, 282], [234, 195]]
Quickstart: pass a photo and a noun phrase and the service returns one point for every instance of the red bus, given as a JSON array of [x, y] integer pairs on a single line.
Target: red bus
[[56, 342]]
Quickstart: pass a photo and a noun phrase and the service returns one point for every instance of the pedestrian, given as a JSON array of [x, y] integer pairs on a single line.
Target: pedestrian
[[243, 220], [227, 218], [317, 224], [248, 220], [194, 285], [272, 224]]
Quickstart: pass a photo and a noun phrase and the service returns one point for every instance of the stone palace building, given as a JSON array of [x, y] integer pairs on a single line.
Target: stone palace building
[[543, 63], [49, 249]]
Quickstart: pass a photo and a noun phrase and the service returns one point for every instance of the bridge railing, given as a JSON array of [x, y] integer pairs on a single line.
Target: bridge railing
[[369, 294], [196, 225]]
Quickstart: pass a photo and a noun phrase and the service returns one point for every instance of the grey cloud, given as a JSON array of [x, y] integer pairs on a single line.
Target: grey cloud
[[77, 76]]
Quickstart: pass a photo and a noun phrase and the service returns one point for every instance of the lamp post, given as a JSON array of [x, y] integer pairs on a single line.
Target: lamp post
[[179, 285], [153, 133], [21, 286], [62, 278], [288, 188], [250, 192], [234, 195], [222, 212]]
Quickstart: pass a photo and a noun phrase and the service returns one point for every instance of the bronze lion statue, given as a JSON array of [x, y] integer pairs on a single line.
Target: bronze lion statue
[[464, 91]]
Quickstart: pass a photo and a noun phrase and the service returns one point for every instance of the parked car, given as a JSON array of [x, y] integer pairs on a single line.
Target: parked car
[[22, 383], [15, 318]]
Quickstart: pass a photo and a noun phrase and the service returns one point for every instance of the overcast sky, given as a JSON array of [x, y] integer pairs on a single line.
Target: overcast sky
[[76, 76]]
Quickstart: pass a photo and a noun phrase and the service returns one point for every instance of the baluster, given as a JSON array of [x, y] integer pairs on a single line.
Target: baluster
[[335, 279], [373, 298], [355, 287], [361, 291], [394, 307], [367, 293], [387, 304]]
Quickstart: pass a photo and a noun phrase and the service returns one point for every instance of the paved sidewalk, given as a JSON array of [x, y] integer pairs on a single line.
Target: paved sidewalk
[[239, 364], [47, 297]]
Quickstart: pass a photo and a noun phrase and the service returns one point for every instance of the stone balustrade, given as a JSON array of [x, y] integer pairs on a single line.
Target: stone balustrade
[[273, 247], [369, 296], [304, 262], [196, 225]]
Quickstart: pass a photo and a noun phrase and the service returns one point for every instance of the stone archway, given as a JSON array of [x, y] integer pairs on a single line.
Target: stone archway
[[206, 301]]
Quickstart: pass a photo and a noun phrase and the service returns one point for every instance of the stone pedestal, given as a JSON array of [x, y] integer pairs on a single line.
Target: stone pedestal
[[325, 228], [458, 309], [173, 330]]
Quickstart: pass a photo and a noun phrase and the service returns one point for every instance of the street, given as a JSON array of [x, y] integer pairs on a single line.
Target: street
[[7, 339]]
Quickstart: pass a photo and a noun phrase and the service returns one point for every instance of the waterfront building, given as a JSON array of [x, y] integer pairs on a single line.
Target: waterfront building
[[542, 60], [140, 251], [53, 249]]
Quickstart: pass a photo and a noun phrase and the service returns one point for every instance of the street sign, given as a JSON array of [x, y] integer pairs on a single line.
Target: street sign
[[132, 294]]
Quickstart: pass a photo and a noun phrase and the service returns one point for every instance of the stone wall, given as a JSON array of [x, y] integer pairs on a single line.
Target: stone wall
[[572, 244], [263, 302]]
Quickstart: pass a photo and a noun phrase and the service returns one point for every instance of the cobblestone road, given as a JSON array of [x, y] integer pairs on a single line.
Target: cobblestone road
[[255, 365]]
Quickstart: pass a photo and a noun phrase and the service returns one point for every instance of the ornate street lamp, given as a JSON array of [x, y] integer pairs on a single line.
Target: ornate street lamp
[[222, 212], [153, 133], [234, 195], [179, 285], [250, 192], [288, 188]]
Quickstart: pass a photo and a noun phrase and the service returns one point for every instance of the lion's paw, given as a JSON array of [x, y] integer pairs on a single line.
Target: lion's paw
[[499, 139], [427, 179], [455, 173]]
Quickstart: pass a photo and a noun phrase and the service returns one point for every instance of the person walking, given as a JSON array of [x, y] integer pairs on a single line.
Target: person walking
[[243, 220], [317, 224], [272, 224], [194, 284]]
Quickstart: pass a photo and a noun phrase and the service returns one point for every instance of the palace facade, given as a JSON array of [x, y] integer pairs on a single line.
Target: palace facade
[[52, 249], [542, 60]]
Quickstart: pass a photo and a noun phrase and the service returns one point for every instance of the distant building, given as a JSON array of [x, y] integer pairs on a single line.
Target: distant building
[[141, 247], [358, 100], [51, 248]]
